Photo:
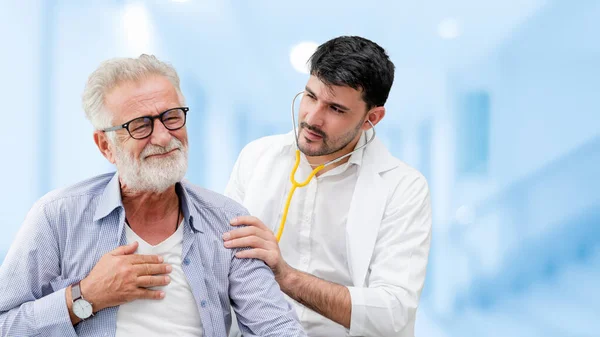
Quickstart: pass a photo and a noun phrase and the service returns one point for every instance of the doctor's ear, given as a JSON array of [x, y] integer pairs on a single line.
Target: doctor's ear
[[375, 115]]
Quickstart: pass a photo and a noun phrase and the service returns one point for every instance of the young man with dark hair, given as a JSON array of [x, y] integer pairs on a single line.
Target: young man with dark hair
[[354, 251]]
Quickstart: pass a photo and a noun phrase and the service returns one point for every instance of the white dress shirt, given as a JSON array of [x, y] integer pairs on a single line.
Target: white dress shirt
[[314, 239], [365, 224]]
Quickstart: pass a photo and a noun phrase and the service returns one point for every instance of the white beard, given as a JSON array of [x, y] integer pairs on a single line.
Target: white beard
[[152, 174]]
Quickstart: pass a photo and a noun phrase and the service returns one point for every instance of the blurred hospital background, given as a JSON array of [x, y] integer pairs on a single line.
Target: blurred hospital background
[[496, 102]]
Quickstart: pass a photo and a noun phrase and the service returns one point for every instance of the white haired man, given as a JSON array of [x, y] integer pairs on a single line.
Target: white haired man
[[137, 252]]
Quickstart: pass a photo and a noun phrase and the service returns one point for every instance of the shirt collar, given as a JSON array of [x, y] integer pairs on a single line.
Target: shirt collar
[[357, 157], [189, 212], [111, 200]]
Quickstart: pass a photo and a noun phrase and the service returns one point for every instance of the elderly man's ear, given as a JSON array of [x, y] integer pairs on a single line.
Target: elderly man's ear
[[104, 145]]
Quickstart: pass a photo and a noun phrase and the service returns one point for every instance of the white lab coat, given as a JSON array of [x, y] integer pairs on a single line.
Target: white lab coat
[[388, 231]]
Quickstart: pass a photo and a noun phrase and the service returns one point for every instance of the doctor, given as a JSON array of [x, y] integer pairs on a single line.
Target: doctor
[[354, 251]]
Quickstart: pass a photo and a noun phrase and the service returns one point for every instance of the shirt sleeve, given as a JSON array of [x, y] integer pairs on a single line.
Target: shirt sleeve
[[29, 305], [388, 305], [258, 302]]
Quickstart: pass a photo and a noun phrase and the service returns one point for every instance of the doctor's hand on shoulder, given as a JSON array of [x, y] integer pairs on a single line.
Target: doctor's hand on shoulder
[[262, 242]]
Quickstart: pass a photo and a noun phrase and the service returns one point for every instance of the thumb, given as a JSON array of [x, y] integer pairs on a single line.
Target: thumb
[[125, 250]]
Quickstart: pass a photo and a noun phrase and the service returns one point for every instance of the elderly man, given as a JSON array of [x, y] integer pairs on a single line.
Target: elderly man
[[139, 252]]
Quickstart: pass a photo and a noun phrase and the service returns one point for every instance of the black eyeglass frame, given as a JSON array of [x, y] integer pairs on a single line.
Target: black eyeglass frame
[[151, 118]]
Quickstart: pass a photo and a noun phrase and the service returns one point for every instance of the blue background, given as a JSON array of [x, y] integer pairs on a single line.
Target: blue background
[[495, 101]]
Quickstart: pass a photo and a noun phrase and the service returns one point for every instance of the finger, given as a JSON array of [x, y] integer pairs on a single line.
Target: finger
[[152, 269], [249, 241], [125, 250], [139, 259], [261, 254], [267, 256], [248, 231], [150, 294], [147, 281], [249, 221]]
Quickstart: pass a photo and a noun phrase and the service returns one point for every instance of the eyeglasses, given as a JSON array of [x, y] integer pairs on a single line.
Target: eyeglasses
[[142, 127]]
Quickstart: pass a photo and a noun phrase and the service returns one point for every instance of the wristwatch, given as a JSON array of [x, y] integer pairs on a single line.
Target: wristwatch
[[81, 307]]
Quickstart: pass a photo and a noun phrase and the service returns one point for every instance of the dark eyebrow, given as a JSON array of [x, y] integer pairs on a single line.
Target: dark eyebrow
[[337, 105]]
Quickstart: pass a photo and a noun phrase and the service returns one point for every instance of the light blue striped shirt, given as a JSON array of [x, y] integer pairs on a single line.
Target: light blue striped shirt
[[67, 231]]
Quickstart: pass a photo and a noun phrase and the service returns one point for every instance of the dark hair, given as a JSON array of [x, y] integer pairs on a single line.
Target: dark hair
[[355, 62]]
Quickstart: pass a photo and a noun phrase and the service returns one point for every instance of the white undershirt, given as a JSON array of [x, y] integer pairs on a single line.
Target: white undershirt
[[316, 234], [176, 314]]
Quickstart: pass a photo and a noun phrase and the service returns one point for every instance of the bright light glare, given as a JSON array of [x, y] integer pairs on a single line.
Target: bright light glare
[[449, 29], [138, 29], [300, 54]]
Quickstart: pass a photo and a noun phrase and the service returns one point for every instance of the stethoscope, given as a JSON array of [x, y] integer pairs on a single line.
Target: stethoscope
[[296, 184]]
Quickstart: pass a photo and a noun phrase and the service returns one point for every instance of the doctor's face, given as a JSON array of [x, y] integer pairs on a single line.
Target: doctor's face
[[331, 119]]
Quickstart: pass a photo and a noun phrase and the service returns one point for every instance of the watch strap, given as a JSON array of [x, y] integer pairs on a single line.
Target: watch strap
[[76, 291]]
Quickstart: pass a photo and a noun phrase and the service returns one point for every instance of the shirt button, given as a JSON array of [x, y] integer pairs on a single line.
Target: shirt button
[[186, 261], [203, 303]]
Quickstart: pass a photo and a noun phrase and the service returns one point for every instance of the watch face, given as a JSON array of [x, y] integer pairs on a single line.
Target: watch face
[[82, 308]]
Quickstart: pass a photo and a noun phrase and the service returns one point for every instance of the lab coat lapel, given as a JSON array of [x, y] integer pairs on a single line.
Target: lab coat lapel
[[366, 209]]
